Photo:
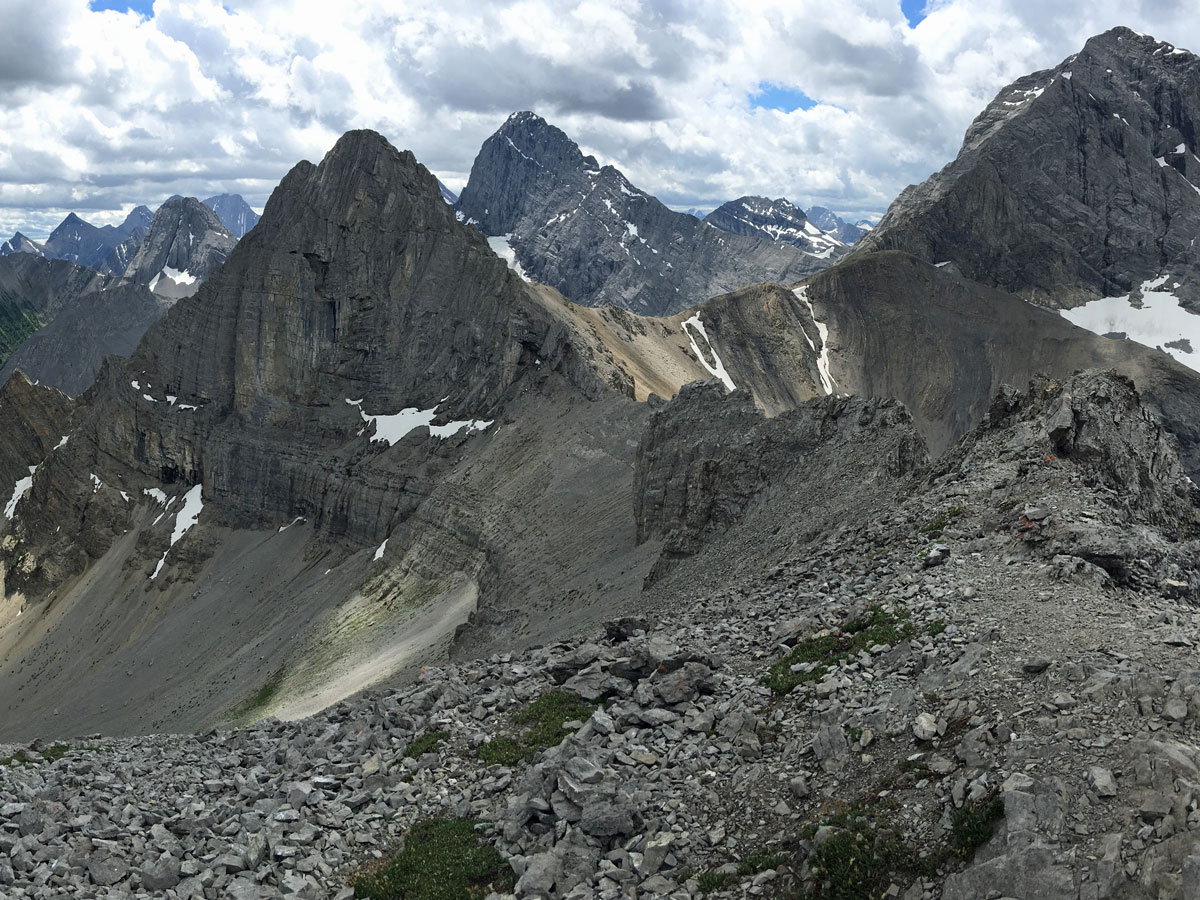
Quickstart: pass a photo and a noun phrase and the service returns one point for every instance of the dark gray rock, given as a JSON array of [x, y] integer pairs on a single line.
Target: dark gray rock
[[1027, 204]]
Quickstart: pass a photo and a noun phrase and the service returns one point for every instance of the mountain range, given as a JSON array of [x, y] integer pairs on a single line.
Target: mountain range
[[816, 513]]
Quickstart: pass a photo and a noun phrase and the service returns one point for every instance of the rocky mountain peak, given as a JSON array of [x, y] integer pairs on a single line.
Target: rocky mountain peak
[[186, 242], [525, 157], [1028, 203], [533, 186]]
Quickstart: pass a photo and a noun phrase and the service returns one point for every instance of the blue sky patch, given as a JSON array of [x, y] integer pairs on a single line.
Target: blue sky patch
[[141, 7], [914, 11], [773, 96]]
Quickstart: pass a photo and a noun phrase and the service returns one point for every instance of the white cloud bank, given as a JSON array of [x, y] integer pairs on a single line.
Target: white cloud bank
[[100, 111]]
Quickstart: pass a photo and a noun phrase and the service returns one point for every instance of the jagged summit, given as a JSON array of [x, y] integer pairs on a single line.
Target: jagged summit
[[586, 230], [1076, 182], [185, 243], [526, 156]]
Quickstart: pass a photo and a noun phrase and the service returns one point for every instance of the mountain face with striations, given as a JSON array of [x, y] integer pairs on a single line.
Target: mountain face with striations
[[1077, 182], [234, 212], [586, 230], [34, 290], [777, 220], [185, 244]]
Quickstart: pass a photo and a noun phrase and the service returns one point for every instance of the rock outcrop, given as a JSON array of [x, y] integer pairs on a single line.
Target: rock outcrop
[[706, 458], [586, 230], [1077, 182], [185, 244]]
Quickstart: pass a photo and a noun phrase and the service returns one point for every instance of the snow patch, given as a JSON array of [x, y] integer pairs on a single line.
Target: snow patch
[[391, 428], [382, 547], [502, 248], [827, 381], [22, 487], [184, 520], [1161, 320], [156, 495], [295, 521], [717, 370], [62, 443]]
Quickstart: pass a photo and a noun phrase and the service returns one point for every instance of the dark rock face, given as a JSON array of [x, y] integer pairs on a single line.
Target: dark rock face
[[833, 224], [706, 458], [585, 230], [234, 212], [185, 244], [19, 243], [777, 220], [1076, 182], [33, 420], [67, 352], [78, 241], [34, 290]]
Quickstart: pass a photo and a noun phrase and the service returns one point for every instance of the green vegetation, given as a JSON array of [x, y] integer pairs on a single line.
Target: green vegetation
[[875, 626], [541, 727], [17, 759], [940, 523], [53, 753], [441, 859], [859, 858], [251, 709], [714, 880], [973, 824], [760, 861], [426, 743], [15, 326]]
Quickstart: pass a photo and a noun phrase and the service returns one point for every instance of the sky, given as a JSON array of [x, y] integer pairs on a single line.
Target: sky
[[107, 105]]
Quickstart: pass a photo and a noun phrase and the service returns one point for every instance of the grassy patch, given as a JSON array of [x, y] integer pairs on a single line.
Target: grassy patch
[[441, 859], [17, 759], [875, 626], [861, 857], [541, 727], [251, 708], [973, 824], [714, 880], [760, 861], [426, 743], [942, 521]]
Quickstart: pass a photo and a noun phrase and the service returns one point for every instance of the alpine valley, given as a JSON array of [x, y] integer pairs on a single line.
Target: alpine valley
[[610, 552]]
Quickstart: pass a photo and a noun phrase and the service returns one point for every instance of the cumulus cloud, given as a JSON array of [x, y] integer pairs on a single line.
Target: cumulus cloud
[[101, 111]]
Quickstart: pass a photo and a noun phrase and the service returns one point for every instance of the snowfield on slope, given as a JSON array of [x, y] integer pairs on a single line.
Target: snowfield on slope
[[1160, 322]]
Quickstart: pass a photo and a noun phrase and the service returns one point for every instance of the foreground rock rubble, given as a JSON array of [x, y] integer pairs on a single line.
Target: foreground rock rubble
[[1018, 636]]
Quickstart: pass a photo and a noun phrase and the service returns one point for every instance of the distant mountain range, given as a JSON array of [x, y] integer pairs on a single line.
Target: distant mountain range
[[109, 249], [586, 230]]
